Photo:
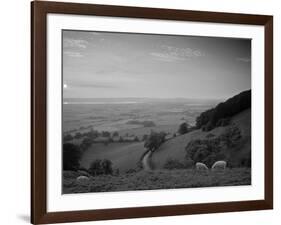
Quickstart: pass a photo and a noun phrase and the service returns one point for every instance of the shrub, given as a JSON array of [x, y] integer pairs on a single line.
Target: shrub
[[154, 140], [95, 167], [71, 156], [99, 167], [107, 166], [183, 128], [205, 151]]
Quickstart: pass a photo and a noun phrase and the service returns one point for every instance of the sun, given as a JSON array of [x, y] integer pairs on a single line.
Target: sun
[[65, 86]]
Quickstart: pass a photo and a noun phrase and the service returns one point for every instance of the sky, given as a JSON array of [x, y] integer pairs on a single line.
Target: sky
[[126, 65]]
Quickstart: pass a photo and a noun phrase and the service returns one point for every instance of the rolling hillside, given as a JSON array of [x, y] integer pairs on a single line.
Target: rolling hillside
[[175, 148]]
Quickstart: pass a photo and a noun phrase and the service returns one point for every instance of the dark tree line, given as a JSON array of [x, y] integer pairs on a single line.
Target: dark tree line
[[183, 128], [220, 115]]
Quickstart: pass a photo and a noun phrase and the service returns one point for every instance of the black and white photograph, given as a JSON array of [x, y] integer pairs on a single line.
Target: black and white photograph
[[154, 111]]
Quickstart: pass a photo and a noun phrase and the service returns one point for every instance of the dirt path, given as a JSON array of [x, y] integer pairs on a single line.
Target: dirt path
[[146, 164]]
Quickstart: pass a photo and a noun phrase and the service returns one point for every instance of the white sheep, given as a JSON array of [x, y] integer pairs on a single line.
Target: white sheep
[[82, 179], [219, 165], [201, 166]]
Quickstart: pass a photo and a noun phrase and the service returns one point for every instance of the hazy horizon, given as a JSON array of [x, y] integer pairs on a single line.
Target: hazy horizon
[[123, 65], [148, 98]]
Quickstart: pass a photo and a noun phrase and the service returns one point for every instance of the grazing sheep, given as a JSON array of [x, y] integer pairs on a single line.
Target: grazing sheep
[[83, 173], [201, 166], [219, 165], [82, 179]]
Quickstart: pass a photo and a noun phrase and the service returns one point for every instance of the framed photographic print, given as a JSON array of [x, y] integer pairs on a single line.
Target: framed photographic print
[[142, 112]]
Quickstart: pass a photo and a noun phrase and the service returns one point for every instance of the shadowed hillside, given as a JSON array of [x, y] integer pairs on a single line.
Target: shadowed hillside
[[221, 114]]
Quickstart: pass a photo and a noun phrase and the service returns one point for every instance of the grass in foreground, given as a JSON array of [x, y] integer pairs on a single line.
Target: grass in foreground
[[158, 179]]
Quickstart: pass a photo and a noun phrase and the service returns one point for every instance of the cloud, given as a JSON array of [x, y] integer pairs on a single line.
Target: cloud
[[74, 43], [169, 53], [165, 57], [73, 54], [94, 81], [243, 59]]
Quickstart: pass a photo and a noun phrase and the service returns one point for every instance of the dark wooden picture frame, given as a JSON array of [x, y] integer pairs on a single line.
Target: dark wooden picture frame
[[39, 11]]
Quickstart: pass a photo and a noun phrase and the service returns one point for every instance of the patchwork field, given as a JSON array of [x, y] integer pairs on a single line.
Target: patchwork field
[[81, 115], [134, 118]]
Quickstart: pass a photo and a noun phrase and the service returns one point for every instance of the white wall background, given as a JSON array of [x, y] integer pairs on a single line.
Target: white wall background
[[15, 111]]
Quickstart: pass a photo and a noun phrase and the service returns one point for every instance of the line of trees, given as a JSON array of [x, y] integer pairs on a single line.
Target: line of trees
[[220, 115], [94, 136]]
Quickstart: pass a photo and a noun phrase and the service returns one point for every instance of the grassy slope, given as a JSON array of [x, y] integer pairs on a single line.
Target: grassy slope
[[124, 156], [243, 121], [175, 148], [157, 179]]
